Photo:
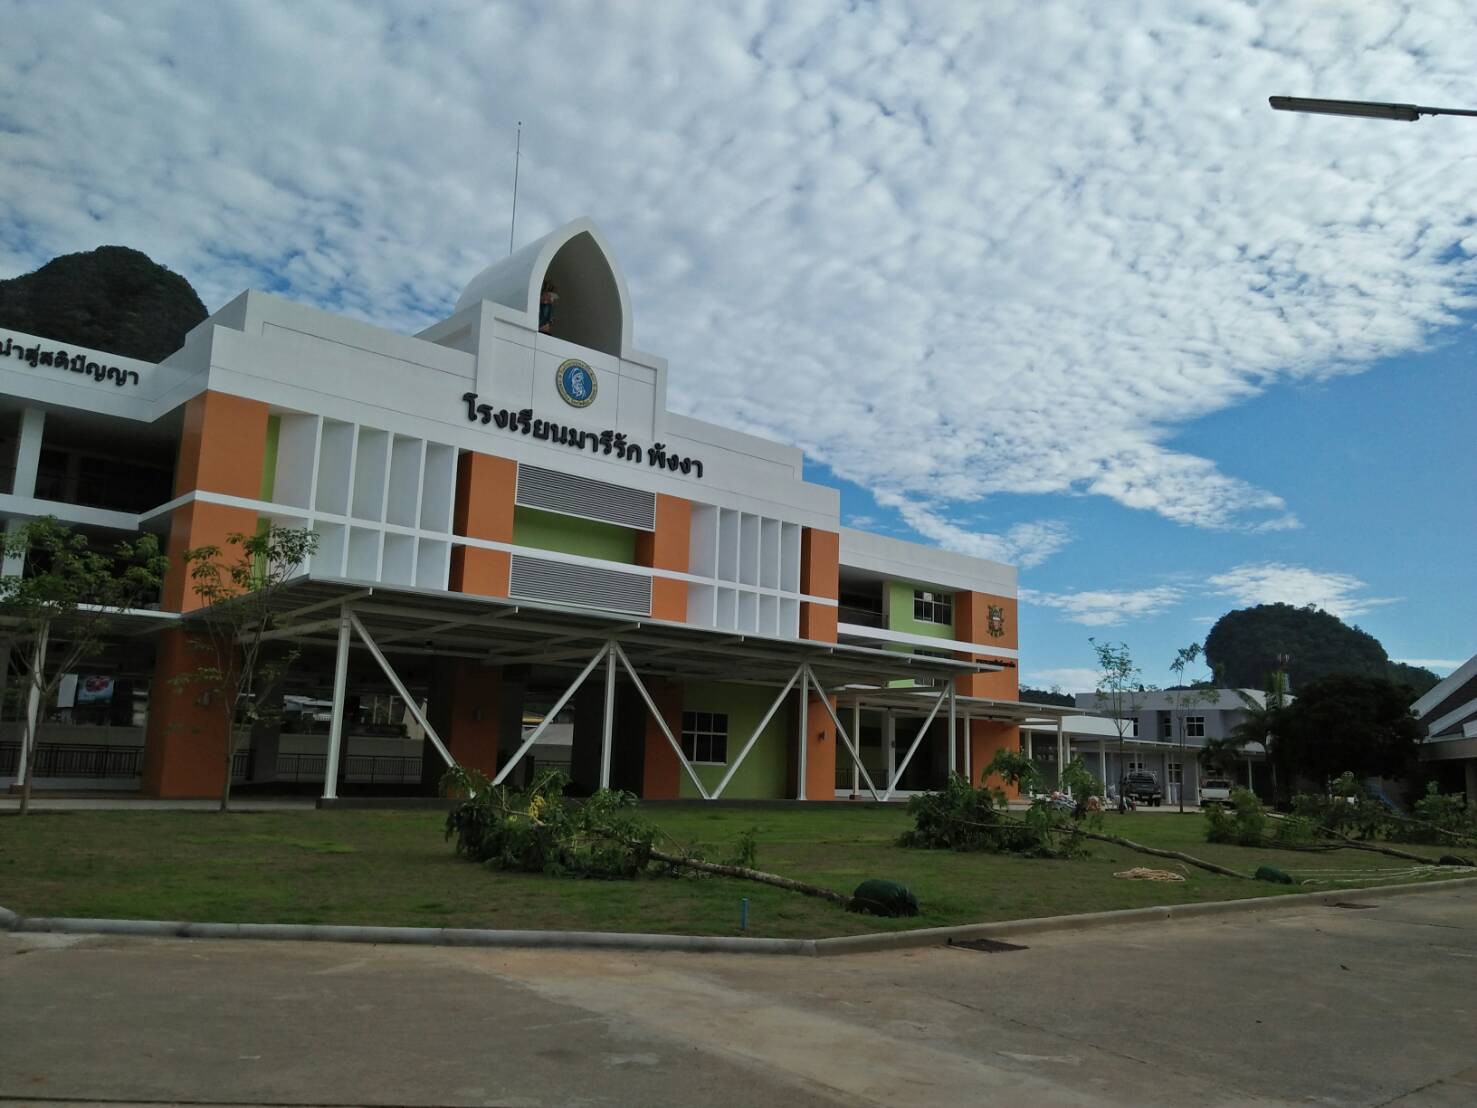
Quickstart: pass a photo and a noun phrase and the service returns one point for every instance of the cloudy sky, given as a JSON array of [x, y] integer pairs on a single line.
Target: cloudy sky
[[1046, 282]]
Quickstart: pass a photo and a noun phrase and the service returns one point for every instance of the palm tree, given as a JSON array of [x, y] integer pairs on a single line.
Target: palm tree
[[1262, 723]]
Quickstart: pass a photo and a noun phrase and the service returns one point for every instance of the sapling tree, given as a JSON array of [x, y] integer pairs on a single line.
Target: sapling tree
[[1119, 686], [60, 608], [1182, 698], [238, 586]]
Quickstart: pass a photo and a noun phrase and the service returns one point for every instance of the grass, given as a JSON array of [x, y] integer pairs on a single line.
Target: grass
[[393, 868]]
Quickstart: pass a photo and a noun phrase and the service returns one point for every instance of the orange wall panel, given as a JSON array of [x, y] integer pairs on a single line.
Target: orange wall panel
[[817, 621], [478, 571], [223, 444], [971, 624], [666, 546], [485, 491], [820, 563], [194, 525]]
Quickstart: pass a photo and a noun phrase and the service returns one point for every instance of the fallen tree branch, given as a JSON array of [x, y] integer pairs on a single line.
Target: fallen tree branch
[[747, 874], [1355, 844], [1119, 841]]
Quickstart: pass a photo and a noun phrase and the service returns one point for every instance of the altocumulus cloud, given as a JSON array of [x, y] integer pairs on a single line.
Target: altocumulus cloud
[[951, 250]]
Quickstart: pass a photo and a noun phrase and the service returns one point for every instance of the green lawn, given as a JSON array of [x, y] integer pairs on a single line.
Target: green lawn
[[393, 868]]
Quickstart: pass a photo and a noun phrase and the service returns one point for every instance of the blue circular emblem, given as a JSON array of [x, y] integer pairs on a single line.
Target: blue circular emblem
[[576, 383]]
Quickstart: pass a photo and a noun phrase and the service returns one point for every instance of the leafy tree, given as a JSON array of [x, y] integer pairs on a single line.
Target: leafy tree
[[1182, 698], [1348, 724], [1243, 645], [239, 587], [1119, 684], [62, 606], [111, 298]]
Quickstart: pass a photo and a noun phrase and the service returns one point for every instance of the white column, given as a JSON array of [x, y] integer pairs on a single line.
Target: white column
[[607, 726], [1030, 744], [804, 733], [968, 753], [33, 701], [1061, 752], [1102, 763], [953, 733], [336, 724], [28, 452], [856, 738], [1248, 773], [889, 741]]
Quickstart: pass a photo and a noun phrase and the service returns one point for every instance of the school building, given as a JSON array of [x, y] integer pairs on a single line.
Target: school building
[[515, 537]]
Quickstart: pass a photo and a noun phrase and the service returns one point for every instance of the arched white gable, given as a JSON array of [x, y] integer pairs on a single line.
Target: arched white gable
[[593, 308]]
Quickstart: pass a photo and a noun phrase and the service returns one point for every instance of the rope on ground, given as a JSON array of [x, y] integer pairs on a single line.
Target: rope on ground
[[1144, 873]]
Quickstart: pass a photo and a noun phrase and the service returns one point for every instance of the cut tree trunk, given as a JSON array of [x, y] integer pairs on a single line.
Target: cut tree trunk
[[752, 875]]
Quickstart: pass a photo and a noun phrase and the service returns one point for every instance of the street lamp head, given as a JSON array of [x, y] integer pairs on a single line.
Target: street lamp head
[[1365, 109]]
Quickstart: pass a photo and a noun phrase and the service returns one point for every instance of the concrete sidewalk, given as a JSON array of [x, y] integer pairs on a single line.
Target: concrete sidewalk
[[1330, 1005]]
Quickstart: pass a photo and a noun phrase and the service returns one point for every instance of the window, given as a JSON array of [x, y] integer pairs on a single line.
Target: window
[[933, 607], [705, 736], [931, 682], [1176, 773], [1194, 727], [1133, 728], [1136, 766], [1166, 728]]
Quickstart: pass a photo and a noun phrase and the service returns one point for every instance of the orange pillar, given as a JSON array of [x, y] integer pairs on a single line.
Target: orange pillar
[[666, 547], [820, 575], [661, 773], [485, 490], [185, 742], [985, 738], [468, 723], [820, 750], [973, 623], [223, 443]]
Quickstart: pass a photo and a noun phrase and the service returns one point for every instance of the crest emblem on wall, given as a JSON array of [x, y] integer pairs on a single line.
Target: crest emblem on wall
[[996, 624], [576, 383]]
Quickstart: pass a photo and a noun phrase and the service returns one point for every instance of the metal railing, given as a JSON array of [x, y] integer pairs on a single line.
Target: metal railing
[[372, 768], [74, 760]]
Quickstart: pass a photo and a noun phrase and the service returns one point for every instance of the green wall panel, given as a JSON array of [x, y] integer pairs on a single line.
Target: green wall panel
[[900, 612], [269, 459], [765, 772], [568, 535]]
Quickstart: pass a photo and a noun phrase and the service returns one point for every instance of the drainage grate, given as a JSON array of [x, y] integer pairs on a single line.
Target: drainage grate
[[1347, 904], [985, 946]]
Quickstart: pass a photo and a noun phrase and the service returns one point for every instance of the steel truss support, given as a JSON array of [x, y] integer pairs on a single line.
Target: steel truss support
[[763, 723], [399, 686], [558, 707], [850, 741], [917, 739], [336, 726], [660, 721]]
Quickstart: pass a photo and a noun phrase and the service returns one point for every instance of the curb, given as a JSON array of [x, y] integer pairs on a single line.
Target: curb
[[701, 944]]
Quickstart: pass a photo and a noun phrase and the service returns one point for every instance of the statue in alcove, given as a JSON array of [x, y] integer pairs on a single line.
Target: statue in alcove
[[548, 297]]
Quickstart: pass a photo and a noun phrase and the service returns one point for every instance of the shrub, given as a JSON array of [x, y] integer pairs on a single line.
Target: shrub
[[1244, 823], [1438, 817], [538, 831], [1348, 808], [745, 849]]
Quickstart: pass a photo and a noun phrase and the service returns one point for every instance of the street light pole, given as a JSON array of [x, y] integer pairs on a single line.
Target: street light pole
[[1364, 109]]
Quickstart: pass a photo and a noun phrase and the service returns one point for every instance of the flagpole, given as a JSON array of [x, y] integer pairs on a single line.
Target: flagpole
[[517, 156]]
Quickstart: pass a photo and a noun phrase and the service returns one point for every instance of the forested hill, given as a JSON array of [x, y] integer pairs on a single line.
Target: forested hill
[[112, 299], [1243, 647]]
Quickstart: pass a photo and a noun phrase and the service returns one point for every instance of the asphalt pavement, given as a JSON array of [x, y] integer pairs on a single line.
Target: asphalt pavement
[[1327, 1005]]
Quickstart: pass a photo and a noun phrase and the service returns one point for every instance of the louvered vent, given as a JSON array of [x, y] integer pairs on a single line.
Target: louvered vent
[[580, 496], [584, 586]]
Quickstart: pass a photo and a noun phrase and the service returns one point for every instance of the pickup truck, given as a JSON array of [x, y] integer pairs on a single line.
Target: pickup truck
[[1215, 790], [1143, 787]]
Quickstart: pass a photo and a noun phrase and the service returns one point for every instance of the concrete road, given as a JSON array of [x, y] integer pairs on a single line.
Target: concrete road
[[1329, 1006]]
